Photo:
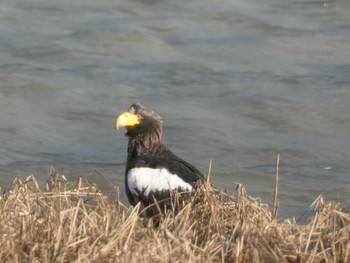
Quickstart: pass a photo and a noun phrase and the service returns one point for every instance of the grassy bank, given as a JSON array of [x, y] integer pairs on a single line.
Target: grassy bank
[[75, 222]]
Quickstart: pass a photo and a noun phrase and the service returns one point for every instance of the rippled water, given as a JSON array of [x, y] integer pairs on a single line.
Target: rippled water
[[236, 82]]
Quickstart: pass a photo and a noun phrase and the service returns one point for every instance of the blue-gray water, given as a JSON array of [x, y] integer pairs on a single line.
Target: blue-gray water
[[236, 82]]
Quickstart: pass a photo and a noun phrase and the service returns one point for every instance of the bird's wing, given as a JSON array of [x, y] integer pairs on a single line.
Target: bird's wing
[[175, 165]]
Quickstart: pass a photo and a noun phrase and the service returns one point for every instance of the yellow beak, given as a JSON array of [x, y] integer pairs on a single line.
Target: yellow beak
[[127, 119]]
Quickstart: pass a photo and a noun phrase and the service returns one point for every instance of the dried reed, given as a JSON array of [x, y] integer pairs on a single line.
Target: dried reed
[[77, 223]]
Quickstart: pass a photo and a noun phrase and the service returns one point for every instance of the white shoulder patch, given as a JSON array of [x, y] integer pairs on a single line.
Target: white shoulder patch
[[154, 179]]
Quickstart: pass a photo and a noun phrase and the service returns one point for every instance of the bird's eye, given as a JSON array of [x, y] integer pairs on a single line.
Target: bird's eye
[[139, 116]]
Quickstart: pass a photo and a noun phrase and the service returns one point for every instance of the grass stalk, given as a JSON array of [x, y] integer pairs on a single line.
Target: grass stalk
[[75, 222]]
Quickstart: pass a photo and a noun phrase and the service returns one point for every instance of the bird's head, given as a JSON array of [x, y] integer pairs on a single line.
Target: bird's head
[[141, 122]]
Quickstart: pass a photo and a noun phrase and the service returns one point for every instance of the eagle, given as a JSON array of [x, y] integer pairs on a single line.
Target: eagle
[[152, 173]]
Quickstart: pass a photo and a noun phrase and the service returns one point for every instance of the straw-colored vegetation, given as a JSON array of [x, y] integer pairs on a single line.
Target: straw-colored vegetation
[[77, 223]]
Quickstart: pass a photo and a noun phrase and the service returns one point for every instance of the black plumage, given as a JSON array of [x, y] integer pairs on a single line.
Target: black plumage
[[152, 171]]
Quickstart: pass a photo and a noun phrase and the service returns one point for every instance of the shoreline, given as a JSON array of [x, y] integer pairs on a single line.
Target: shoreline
[[75, 222]]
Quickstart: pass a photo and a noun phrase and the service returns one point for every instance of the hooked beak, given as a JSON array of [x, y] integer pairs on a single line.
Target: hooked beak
[[127, 119]]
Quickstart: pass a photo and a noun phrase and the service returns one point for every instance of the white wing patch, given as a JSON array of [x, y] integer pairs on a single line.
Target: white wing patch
[[154, 179]]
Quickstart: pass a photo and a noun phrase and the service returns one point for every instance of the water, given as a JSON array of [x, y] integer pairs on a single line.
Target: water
[[236, 82]]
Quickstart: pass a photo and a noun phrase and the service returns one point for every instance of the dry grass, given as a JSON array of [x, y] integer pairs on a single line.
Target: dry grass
[[77, 223]]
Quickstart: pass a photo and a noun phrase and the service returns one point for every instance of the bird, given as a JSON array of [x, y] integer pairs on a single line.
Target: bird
[[152, 171]]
